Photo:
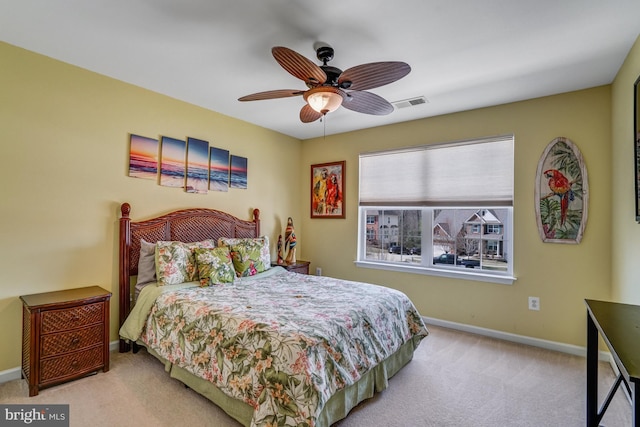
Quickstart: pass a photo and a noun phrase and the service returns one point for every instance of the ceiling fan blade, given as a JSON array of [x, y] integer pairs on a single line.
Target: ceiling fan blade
[[367, 102], [372, 75], [308, 114], [271, 94], [299, 66]]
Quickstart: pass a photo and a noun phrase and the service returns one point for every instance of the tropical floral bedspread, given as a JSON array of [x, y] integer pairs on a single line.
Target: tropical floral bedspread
[[284, 344]]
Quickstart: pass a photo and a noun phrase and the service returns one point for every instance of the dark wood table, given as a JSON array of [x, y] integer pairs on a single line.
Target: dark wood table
[[301, 267], [619, 326]]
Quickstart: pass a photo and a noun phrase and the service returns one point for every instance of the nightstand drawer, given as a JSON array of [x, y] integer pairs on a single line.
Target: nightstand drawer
[[62, 320], [300, 268], [64, 342], [71, 364]]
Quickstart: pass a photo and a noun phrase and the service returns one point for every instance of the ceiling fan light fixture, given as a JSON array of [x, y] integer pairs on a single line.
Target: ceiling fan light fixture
[[324, 99], [330, 87]]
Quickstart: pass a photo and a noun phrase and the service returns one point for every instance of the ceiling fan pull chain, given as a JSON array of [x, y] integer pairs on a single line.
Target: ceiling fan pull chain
[[324, 126]]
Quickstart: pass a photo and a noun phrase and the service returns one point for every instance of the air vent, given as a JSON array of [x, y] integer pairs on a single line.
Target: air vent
[[410, 102]]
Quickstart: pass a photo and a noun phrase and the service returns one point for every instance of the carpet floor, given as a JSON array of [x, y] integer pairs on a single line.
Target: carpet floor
[[455, 379]]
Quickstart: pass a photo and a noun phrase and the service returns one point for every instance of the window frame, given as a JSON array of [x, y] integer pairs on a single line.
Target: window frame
[[428, 268], [427, 198]]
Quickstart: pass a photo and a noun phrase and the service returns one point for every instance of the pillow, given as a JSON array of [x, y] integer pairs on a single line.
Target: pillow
[[214, 266], [248, 255], [262, 261], [176, 263], [146, 263]]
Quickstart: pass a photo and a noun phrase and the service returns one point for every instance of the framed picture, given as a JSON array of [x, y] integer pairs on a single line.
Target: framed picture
[[327, 190], [636, 144], [562, 193]]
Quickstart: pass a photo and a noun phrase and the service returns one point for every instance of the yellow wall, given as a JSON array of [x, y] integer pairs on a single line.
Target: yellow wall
[[561, 275], [625, 230], [64, 135]]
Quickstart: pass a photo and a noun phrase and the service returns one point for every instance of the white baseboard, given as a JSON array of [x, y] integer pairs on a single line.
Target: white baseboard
[[10, 375], [520, 339], [16, 373]]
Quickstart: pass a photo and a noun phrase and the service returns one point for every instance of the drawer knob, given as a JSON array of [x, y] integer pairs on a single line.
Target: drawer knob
[[75, 340], [75, 364], [75, 318]]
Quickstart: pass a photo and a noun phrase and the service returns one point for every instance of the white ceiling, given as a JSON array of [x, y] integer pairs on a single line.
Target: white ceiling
[[464, 54]]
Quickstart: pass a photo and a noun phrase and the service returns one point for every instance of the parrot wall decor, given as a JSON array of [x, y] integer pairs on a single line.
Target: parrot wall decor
[[562, 193]]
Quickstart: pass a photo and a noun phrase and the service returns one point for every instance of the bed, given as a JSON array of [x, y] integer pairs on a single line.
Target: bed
[[270, 347]]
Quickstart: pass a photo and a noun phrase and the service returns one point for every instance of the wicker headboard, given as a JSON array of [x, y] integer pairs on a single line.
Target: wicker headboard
[[187, 225]]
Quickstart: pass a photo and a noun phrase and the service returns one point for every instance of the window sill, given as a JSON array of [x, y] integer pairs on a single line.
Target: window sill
[[440, 272]]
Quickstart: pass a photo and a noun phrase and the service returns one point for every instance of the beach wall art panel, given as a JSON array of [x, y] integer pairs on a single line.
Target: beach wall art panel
[[143, 157], [191, 164], [197, 166], [218, 169], [561, 193], [238, 172], [172, 162]]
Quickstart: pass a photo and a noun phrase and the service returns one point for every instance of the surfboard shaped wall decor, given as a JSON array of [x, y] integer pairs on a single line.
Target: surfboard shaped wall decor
[[562, 193]]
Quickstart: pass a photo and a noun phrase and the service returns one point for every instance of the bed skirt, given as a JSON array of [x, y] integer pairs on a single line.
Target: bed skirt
[[336, 408]]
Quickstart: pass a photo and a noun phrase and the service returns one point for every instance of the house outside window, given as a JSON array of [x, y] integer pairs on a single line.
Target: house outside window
[[448, 221]]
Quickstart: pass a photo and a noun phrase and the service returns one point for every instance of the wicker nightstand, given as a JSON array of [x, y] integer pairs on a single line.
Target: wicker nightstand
[[65, 335]]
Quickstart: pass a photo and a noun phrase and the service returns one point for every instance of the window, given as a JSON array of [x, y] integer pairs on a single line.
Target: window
[[443, 209], [494, 228]]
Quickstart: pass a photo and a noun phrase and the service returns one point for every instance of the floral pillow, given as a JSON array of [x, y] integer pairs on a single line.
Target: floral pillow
[[176, 263], [250, 255], [245, 258], [214, 266]]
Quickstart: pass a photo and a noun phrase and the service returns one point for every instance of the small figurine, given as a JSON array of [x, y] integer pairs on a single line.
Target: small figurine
[[280, 259], [290, 242]]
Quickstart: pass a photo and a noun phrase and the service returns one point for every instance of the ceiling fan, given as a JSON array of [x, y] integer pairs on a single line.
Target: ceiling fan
[[330, 87]]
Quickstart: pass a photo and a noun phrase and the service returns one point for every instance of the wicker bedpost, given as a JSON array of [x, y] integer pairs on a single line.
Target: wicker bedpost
[[124, 278]]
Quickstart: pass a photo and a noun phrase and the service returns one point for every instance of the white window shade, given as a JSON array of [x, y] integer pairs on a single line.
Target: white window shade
[[442, 174]]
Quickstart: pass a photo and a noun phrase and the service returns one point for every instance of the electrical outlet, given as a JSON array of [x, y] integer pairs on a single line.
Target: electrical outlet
[[318, 271], [534, 303]]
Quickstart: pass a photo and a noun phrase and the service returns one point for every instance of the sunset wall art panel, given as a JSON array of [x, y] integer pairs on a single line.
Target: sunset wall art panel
[[218, 169], [172, 162], [197, 166], [238, 172], [143, 157]]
